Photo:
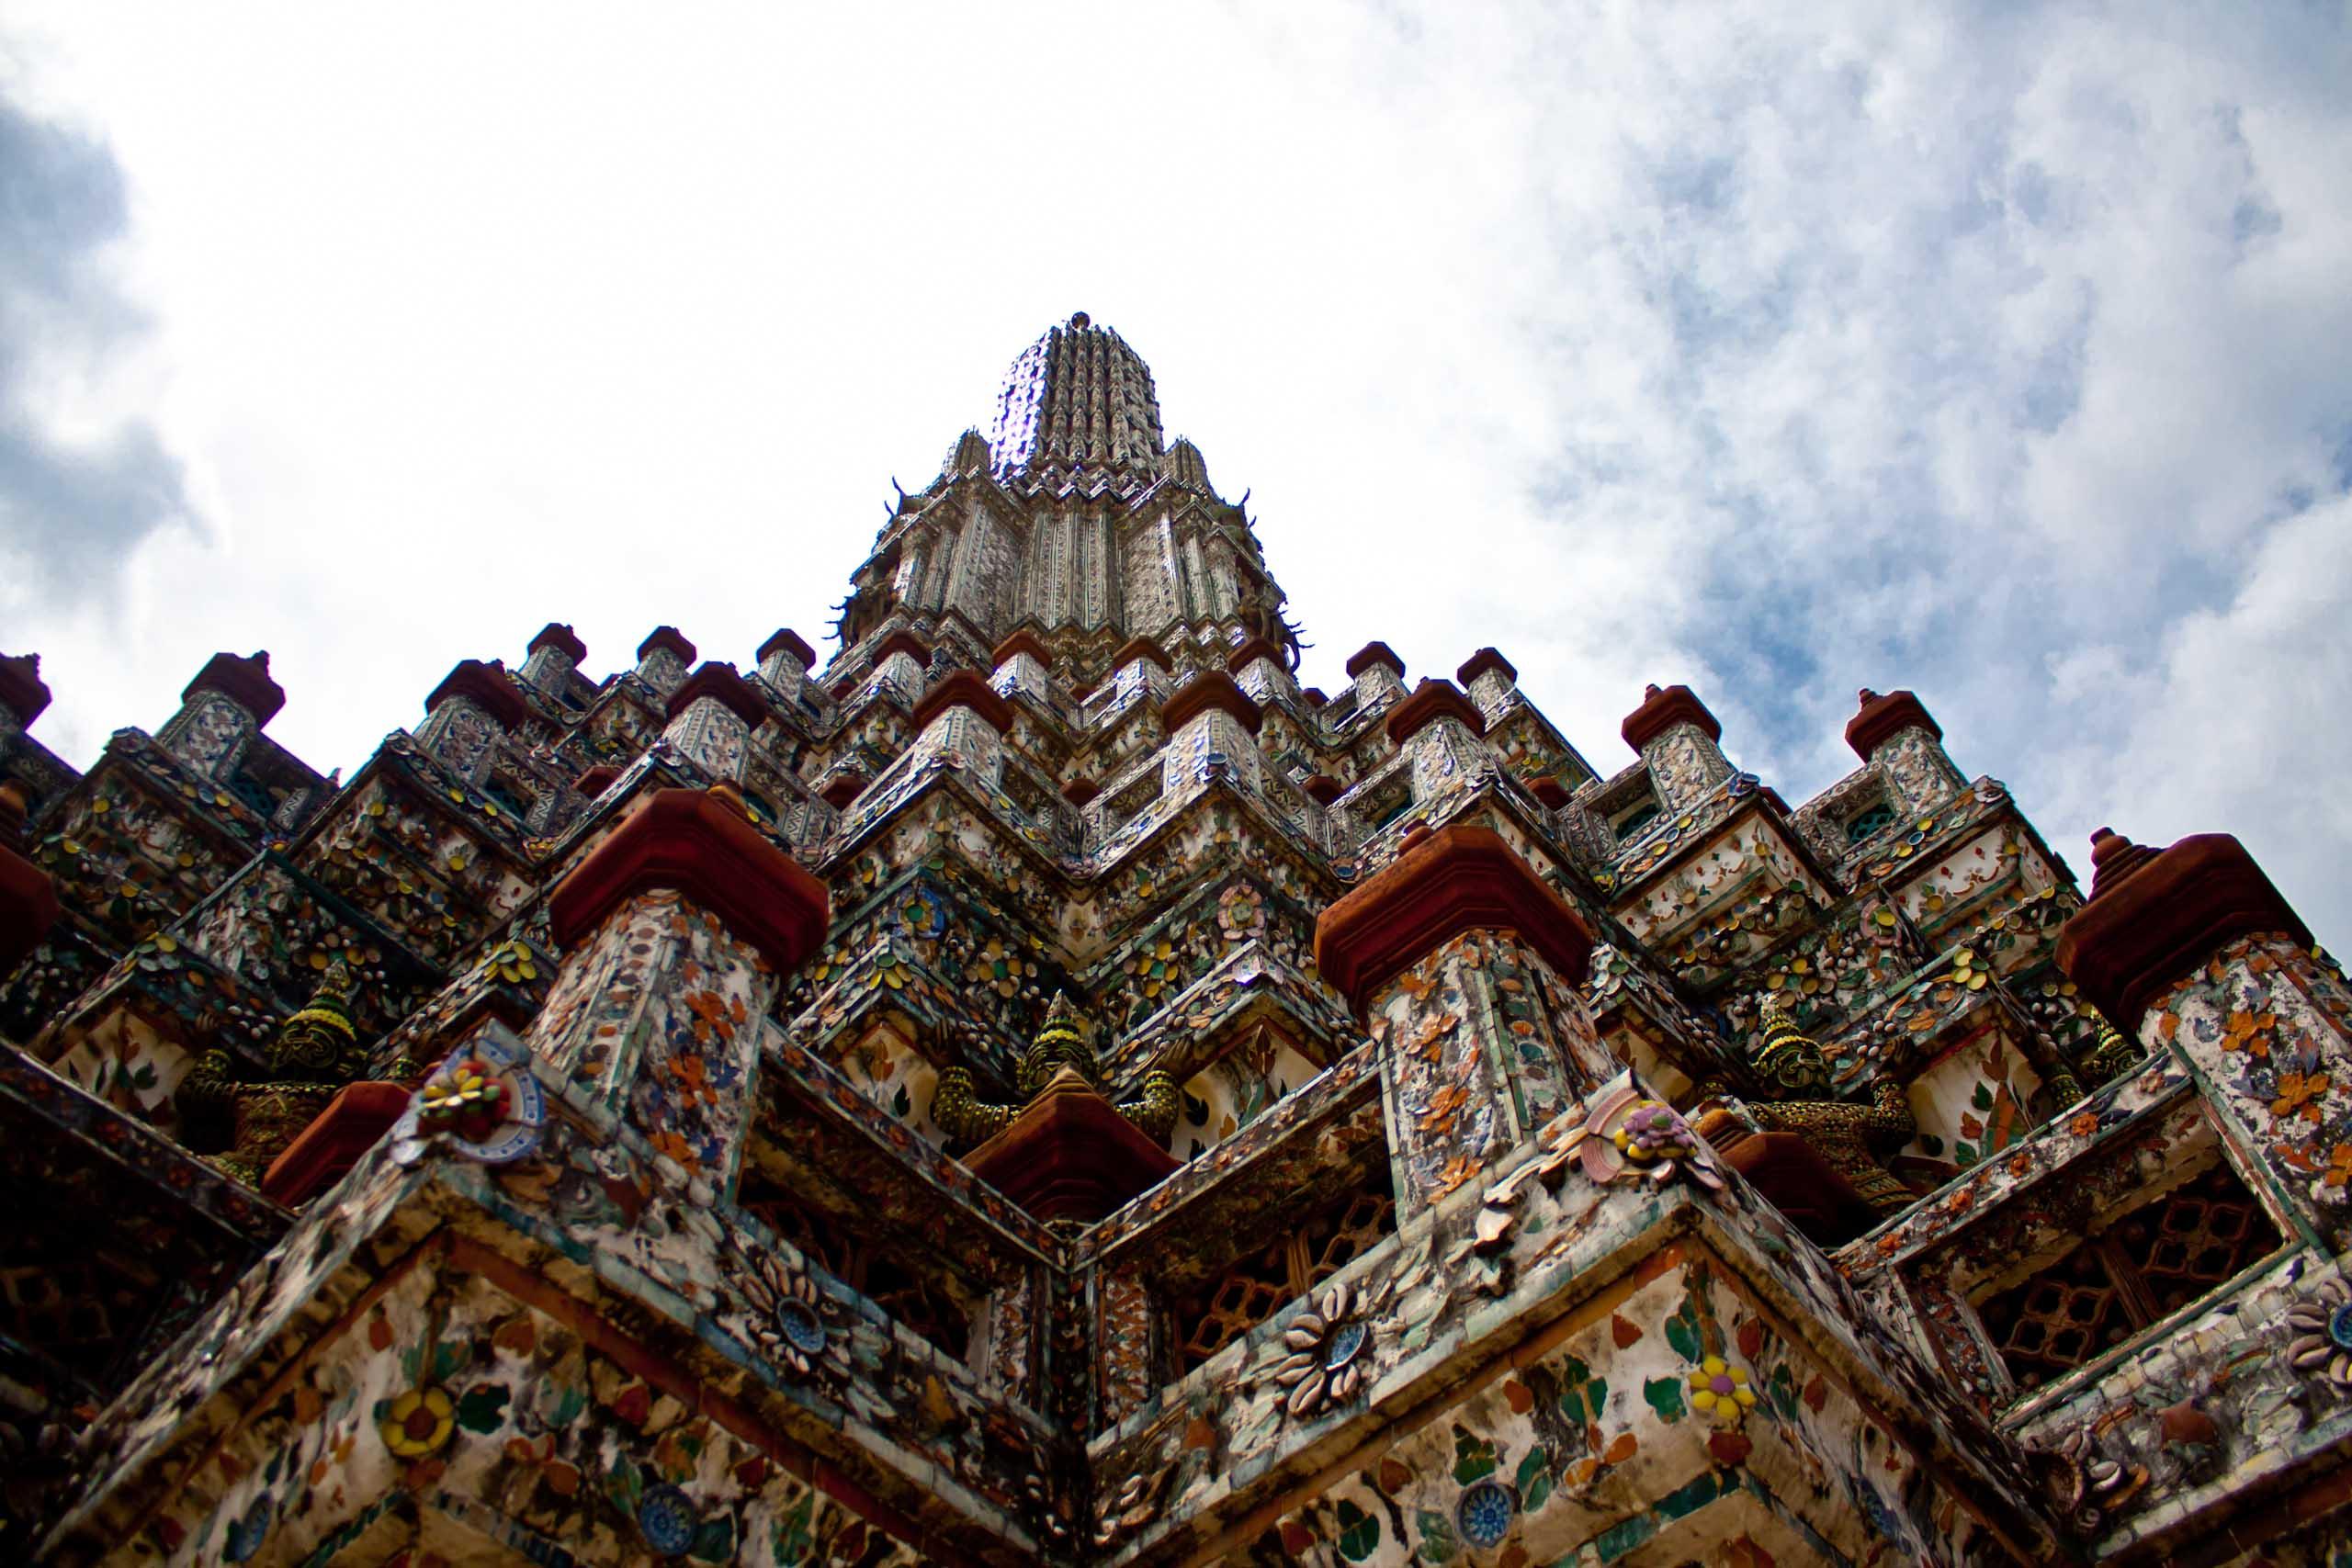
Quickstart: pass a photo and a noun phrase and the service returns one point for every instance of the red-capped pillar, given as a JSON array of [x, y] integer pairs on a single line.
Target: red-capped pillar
[[1897, 735], [222, 709], [1212, 730], [1023, 664], [1260, 667], [468, 715], [963, 721], [553, 657], [784, 662], [902, 662], [676, 930], [1491, 680], [712, 714], [1677, 737], [1140, 668], [1465, 965], [1378, 674], [663, 659], [2194, 952], [1439, 728]]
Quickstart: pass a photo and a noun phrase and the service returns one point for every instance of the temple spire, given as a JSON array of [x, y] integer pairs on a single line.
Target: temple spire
[[1078, 401]]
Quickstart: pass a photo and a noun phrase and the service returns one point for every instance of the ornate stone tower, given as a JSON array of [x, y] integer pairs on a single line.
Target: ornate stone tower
[[1042, 1087]]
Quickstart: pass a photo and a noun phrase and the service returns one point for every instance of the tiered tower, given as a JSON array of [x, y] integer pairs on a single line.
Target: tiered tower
[[1043, 1086]]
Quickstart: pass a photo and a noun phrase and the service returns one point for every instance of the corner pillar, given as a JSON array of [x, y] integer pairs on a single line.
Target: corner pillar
[[1897, 735], [1463, 965], [1378, 674], [963, 721], [221, 712], [663, 659], [468, 715], [553, 657], [1678, 736], [784, 661], [676, 930], [1212, 730], [2194, 951], [712, 716], [1439, 728]]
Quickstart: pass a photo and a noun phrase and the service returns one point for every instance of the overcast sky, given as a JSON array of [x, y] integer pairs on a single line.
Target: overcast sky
[[1998, 352]]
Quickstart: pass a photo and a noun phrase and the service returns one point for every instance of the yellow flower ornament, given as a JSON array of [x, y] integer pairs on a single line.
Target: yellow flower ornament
[[1720, 1390], [418, 1423]]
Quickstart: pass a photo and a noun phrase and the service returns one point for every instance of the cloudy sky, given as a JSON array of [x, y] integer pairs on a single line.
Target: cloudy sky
[[1999, 351]]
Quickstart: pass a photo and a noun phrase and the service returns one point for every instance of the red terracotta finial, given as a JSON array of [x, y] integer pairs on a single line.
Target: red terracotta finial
[[2156, 916], [719, 681], [559, 637], [1882, 718], [789, 641], [669, 637], [1440, 885], [965, 690], [486, 686], [707, 847], [1662, 708], [1865, 698], [22, 691], [2113, 858], [1432, 700], [1480, 663], [1207, 689], [245, 681]]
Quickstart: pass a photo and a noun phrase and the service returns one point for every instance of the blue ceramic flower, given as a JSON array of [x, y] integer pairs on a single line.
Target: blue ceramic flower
[[668, 1519], [1485, 1513]]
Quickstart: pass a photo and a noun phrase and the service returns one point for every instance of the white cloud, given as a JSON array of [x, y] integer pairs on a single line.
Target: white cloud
[[1994, 353]]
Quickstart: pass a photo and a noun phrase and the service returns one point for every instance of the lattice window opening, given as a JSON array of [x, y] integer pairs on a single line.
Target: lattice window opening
[[1869, 822], [924, 1306], [2130, 1274], [60, 1308], [1262, 1281]]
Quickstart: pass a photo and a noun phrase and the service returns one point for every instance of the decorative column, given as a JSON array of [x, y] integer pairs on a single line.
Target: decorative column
[[223, 708], [1440, 728], [23, 696], [1140, 667], [1676, 736], [663, 659], [1377, 672], [1258, 667], [1212, 728], [712, 716], [1897, 736], [2194, 951], [962, 721], [1465, 965], [468, 713], [1490, 681], [1023, 666], [901, 663], [676, 930], [554, 655], [784, 662]]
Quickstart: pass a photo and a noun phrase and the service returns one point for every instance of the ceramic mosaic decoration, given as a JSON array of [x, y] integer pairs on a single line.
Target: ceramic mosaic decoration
[[1042, 1087]]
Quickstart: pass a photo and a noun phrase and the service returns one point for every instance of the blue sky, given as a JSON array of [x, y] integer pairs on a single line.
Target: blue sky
[[1996, 352]]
